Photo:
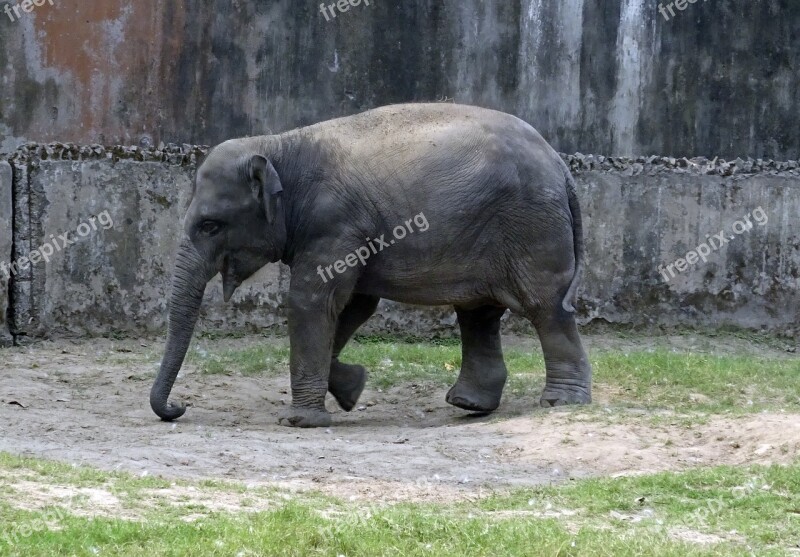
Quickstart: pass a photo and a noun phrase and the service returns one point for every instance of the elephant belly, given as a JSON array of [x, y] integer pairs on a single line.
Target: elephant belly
[[427, 287]]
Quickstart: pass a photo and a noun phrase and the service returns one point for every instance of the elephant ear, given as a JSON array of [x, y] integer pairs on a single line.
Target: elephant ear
[[266, 186]]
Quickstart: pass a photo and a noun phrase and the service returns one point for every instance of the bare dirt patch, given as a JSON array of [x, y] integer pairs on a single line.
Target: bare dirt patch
[[87, 403], [82, 501], [583, 446]]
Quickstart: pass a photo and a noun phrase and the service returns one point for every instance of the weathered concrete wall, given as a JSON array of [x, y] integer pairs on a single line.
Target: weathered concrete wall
[[6, 239], [643, 219], [117, 277], [598, 76], [640, 214]]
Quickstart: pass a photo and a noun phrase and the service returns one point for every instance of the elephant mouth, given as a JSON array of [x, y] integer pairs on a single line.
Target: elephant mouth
[[230, 282]]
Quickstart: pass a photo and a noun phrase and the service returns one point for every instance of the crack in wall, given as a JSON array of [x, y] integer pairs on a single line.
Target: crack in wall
[[6, 250]]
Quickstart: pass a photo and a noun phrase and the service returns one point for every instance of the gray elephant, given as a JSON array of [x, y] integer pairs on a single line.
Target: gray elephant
[[490, 222]]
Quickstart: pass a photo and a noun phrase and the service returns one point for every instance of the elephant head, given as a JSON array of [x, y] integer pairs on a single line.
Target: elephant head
[[234, 225]]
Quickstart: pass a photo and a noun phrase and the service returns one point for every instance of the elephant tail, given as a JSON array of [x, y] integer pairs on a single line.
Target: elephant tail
[[571, 297]]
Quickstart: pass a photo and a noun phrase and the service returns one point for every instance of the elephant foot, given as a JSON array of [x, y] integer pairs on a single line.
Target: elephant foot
[[304, 417], [473, 399], [346, 383], [561, 395]]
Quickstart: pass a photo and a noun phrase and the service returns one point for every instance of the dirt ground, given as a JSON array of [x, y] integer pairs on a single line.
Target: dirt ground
[[86, 402]]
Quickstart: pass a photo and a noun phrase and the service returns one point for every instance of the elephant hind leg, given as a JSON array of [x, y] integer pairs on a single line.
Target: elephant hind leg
[[568, 372], [346, 381], [483, 372], [540, 292]]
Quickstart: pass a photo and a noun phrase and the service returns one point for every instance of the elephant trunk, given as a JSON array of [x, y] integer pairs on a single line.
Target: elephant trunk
[[188, 285]]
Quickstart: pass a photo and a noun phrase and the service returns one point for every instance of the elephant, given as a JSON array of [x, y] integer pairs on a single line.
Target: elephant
[[503, 231]]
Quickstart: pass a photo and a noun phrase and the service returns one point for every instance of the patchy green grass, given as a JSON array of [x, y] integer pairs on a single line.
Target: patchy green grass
[[269, 358], [759, 506], [704, 382], [718, 511], [657, 378]]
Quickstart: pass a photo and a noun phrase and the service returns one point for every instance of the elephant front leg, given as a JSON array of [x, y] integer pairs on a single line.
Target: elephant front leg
[[346, 381], [312, 326]]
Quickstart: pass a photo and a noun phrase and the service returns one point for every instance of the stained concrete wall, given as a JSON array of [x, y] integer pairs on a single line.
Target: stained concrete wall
[[6, 239], [639, 214], [598, 76], [642, 220]]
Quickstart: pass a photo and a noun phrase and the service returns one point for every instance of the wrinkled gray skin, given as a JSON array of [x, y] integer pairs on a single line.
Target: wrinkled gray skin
[[504, 233]]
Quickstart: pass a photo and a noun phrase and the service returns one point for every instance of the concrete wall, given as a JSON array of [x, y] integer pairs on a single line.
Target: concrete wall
[[596, 76], [639, 214], [642, 219]]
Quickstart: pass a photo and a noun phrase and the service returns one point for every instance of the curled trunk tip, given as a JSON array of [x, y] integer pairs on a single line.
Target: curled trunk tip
[[168, 412], [188, 285]]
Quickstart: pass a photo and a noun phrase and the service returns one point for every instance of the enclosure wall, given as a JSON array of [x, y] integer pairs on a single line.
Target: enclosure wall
[[640, 217]]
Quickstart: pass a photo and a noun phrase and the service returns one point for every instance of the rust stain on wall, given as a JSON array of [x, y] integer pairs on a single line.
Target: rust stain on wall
[[102, 45], [75, 41]]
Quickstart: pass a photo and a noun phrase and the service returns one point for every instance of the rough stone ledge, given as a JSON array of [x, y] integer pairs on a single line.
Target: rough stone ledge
[[633, 166], [173, 154], [189, 155]]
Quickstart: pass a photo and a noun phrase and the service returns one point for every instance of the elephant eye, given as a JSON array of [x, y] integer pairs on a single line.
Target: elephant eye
[[209, 227]]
